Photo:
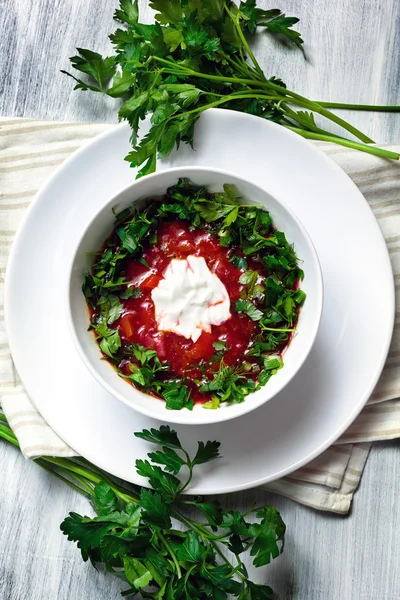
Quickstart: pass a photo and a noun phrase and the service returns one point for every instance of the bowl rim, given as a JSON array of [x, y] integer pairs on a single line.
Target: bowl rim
[[189, 418]]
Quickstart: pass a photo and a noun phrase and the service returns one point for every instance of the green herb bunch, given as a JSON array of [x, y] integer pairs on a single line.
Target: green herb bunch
[[197, 56], [149, 538], [271, 301]]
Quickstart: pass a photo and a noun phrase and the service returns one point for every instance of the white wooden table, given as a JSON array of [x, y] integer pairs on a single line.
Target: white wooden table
[[353, 50]]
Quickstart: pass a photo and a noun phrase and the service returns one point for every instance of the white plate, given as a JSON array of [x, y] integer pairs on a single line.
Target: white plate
[[340, 372]]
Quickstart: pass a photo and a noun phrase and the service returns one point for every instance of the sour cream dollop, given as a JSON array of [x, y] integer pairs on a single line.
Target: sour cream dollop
[[190, 298]]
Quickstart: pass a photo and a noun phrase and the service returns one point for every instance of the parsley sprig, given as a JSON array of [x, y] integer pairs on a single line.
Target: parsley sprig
[[197, 56], [149, 538]]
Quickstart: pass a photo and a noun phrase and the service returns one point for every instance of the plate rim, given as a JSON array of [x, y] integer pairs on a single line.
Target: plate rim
[[75, 156]]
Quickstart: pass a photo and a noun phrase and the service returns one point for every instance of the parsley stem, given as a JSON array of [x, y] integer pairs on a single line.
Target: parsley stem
[[284, 330], [334, 118], [253, 510], [171, 553], [184, 71], [367, 107], [205, 107], [73, 467], [244, 42], [221, 554], [89, 474], [311, 105], [199, 527], [241, 94], [125, 494], [204, 534], [241, 67], [189, 572], [291, 113], [89, 487], [297, 117], [42, 463], [259, 95], [7, 434], [348, 143], [189, 479], [283, 92], [79, 473], [315, 107]]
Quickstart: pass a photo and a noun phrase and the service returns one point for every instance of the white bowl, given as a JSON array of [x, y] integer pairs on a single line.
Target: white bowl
[[92, 240]]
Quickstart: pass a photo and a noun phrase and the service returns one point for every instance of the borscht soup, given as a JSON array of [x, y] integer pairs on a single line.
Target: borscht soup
[[194, 297]]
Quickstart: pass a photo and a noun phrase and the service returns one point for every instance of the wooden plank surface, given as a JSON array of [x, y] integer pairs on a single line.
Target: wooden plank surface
[[352, 50]]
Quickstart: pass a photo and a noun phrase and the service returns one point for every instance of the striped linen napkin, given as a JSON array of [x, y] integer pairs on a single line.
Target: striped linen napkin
[[30, 150]]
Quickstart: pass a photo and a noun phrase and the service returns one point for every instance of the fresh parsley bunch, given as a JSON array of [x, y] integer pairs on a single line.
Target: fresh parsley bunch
[[149, 538], [197, 56], [273, 301]]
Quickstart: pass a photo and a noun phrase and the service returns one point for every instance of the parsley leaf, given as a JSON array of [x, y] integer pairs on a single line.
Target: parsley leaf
[[136, 573], [212, 511], [212, 404], [252, 14], [170, 11], [164, 436], [206, 452], [239, 261], [252, 289], [131, 292], [268, 534], [77, 529], [122, 84], [111, 308], [221, 348], [93, 64], [248, 308], [177, 396], [155, 511], [128, 12], [299, 297], [166, 484], [191, 550], [219, 345], [110, 339], [105, 500], [169, 458], [259, 591], [282, 26]]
